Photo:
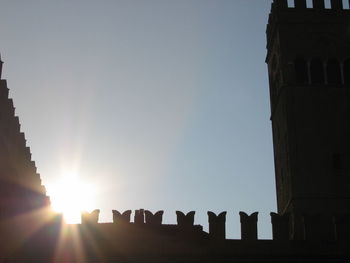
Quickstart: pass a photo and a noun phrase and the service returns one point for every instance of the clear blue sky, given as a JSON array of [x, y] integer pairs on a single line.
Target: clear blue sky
[[161, 104]]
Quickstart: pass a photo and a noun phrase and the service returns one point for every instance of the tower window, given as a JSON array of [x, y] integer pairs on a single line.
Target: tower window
[[333, 72], [316, 71], [291, 3], [309, 4], [328, 4], [346, 70], [301, 75], [346, 4]]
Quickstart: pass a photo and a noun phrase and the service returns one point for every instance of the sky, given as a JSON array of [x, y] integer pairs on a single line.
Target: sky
[[156, 104]]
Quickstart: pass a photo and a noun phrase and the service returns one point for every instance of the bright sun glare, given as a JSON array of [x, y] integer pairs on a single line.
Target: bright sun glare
[[71, 196]]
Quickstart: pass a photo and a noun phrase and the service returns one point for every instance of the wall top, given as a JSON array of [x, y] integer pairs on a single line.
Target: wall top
[[314, 4], [289, 12]]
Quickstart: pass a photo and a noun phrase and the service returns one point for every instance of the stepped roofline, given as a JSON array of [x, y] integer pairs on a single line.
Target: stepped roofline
[[20, 185]]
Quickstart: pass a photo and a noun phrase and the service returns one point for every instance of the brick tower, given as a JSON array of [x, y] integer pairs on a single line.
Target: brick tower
[[20, 185], [308, 58]]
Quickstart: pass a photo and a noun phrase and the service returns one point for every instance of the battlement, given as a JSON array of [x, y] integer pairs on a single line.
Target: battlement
[[316, 227], [314, 12], [335, 5]]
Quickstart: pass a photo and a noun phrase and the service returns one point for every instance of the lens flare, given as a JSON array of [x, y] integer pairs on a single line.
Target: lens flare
[[70, 195]]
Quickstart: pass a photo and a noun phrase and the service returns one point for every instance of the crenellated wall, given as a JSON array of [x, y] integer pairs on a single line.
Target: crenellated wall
[[335, 5], [316, 227], [315, 10]]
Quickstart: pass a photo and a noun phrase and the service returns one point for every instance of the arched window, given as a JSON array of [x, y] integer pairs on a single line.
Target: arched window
[[316, 72], [346, 71], [333, 72], [301, 75]]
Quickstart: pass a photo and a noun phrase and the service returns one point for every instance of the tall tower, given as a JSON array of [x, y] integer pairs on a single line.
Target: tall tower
[[21, 191], [308, 58]]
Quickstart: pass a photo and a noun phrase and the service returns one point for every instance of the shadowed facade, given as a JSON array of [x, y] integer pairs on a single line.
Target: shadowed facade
[[308, 62]]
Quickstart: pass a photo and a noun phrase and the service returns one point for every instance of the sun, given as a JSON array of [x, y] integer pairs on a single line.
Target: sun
[[70, 195]]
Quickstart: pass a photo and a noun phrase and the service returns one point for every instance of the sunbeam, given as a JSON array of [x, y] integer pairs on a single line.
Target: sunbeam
[[71, 195]]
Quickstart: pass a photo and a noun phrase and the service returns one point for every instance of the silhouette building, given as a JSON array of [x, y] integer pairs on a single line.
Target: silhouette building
[[309, 72], [308, 60], [20, 184]]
